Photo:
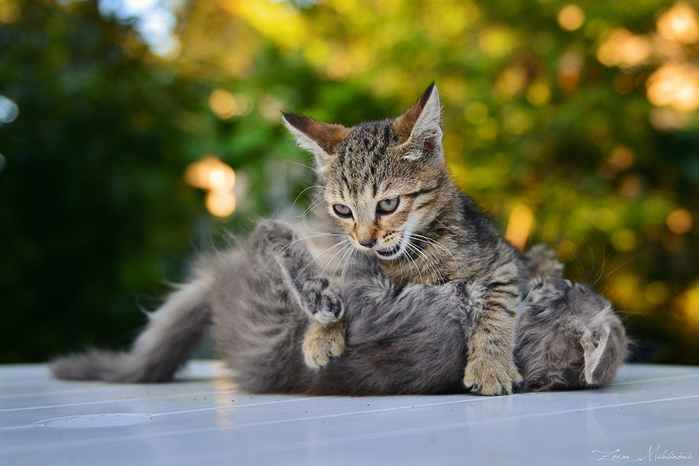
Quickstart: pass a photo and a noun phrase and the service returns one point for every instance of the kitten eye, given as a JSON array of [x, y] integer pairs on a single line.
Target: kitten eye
[[342, 210], [387, 205]]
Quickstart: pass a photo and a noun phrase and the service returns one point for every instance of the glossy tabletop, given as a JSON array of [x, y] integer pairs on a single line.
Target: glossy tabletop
[[651, 413]]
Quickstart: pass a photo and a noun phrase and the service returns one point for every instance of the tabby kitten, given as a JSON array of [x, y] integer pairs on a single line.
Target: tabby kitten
[[262, 298], [387, 185]]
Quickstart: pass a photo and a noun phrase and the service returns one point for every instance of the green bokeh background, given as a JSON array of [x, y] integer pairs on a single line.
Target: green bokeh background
[[96, 216]]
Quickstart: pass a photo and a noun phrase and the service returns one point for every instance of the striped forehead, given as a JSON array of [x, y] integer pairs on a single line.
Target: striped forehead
[[363, 157]]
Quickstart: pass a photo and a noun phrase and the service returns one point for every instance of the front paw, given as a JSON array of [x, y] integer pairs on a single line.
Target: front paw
[[486, 377], [323, 343], [324, 302]]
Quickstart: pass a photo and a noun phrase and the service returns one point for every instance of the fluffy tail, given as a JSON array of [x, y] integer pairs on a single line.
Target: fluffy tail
[[172, 333]]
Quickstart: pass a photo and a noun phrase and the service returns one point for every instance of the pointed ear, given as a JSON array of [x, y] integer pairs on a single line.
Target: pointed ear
[[603, 355], [420, 128], [316, 137]]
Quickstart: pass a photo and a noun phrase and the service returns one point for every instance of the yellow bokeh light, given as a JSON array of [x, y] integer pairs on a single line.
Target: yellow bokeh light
[[622, 158], [271, 108], [511, 81], [688, 304], [339, 64], [538, 94], [604, 219], [496, 42], [519, 225], [675, 85], [571, 17], [279, 21], [222, 178], [216, 177], [625, 240], [223, 104], [227, 105], [679, 24], [624, 49], [210, 174], [220, 203], [624, 290], [10, 12], [679, 221]]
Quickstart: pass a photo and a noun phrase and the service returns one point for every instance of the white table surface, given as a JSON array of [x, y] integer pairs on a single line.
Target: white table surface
[[650, 413]]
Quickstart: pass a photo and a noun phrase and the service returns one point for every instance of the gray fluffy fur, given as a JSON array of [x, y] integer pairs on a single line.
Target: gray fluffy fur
[[401, 339]]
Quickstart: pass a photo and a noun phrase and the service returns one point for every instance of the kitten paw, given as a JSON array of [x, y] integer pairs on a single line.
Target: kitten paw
[[323, 343], [324, 302], [489, 378]]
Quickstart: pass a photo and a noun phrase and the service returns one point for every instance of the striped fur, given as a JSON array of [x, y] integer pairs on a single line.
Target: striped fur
[[435, 234]]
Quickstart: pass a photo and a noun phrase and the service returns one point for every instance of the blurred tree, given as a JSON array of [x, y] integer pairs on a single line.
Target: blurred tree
[[93, 211], [575, 124]]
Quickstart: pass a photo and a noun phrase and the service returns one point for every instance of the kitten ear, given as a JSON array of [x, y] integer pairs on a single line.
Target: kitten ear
[[603, 356], [314, 136], [420, 128]]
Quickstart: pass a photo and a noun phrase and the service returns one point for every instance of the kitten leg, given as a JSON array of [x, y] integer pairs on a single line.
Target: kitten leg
[[491, 368], [324, 343], [325, 338]]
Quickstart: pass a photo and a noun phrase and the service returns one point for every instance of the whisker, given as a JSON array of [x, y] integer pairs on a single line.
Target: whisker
[[578, 262], [431, 255], [309, 236], [418, 272], [293, 204], [328, 261], [316, 258], [315, 204], [435, 243], [304, 166], [429, 262], [344, 256], [604, 262], [635, 256], [339, 251], [592, 267], [344, 267]]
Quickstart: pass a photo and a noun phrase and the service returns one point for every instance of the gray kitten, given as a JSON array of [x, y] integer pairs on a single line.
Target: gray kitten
[[263, 299]]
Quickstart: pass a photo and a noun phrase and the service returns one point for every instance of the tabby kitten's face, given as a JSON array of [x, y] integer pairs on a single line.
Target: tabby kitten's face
[[382, 181]]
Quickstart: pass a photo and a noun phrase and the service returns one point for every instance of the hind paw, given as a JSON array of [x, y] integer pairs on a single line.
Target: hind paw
[[322, 344], [490, 378], [324, 302]]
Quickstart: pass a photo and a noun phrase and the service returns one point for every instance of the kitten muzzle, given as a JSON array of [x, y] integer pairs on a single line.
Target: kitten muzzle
[[388, 253]]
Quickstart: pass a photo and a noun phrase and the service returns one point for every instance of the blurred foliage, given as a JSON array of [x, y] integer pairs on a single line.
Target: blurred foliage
[[583, 116]]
